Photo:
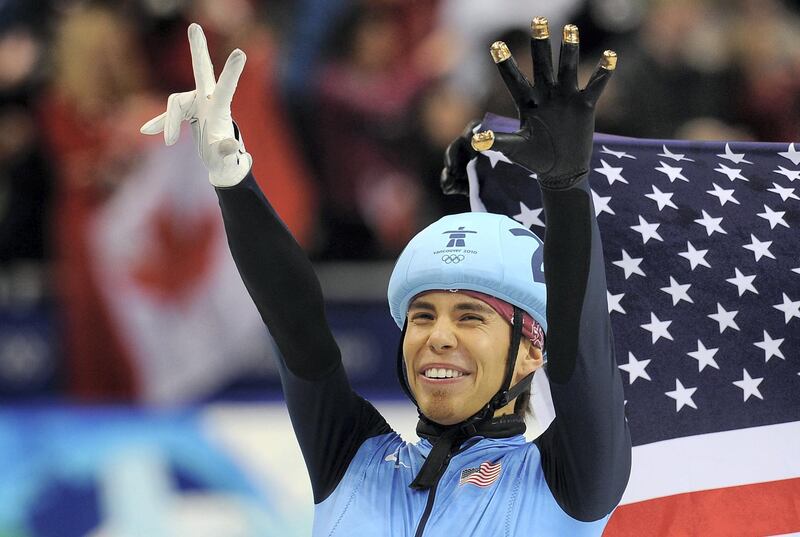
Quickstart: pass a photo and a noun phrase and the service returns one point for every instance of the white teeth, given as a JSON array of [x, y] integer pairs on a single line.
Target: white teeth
[[439, 373]]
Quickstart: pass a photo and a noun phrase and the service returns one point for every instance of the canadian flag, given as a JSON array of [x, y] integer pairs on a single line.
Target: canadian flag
[[169, 283]]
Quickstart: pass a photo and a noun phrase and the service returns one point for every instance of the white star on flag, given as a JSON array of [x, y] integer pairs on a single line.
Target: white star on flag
[[783, 192], [736, 158], [663, 199], [723, 194], [647, 230], [771, 347], [704, 356], [495, 157], [629, 264], [790, 309], [791, 175], [657, 328], [677, 291], [791, 154], [682, 396], [671, 172], [749, 385], [724, 318], [731, 173], [797, 270], [613, 302], [759, 248], [601, 204], [528, 217], [612, 174], [695, 257], [774, 217], [635, 368], [674, 156], [711, 224], [618, 154], [743, 283]]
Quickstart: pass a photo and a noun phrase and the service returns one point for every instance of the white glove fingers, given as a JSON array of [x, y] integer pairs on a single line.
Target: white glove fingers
[[179, 107], [228, 79], [201, 61], [155, 125]]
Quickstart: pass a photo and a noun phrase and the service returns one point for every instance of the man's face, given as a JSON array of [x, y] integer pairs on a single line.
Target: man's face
[[455, 351]]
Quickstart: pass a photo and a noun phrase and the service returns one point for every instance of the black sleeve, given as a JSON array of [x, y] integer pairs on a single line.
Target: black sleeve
[[586, 451], [330, 420]]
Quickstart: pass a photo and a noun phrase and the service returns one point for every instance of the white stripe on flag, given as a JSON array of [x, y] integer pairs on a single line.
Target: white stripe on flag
[[475, 203], [715, 460]]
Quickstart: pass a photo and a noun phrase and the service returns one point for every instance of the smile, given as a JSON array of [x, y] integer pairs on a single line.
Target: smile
[[438, 373], [442, 374]]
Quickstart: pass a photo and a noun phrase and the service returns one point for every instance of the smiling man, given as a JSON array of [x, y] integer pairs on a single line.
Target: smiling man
[[455, 355], [478, 318]]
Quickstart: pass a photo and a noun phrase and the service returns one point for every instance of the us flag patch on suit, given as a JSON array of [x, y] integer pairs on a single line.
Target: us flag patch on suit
[[482, 476]]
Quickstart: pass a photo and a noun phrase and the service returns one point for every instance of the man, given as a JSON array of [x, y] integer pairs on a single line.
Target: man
[[470, 295]]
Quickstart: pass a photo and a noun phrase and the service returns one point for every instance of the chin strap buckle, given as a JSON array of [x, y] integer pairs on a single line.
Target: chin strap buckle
[[506, 396]]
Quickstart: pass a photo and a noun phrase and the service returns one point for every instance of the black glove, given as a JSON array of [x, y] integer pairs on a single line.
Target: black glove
[[454, 174], [556, 118]]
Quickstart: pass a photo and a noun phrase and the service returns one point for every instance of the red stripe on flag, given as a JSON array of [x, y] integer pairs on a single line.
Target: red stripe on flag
[[770, 508]]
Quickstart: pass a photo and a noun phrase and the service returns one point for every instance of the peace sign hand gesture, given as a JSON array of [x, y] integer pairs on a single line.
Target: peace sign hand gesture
[[208, 110], [556, 117]]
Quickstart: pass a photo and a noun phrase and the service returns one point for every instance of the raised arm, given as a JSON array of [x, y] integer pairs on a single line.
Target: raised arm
[[329, 419], [586, 450]]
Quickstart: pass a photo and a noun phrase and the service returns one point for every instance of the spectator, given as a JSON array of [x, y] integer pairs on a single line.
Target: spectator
[[678, 68], [90, 115], [366, 94], [767, 48], [24, 174]]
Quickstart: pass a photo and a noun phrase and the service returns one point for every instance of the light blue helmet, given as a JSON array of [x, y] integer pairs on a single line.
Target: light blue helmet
[[483, 252]]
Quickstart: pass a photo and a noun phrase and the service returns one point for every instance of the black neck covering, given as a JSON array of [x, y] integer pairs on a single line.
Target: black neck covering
[[447, 438]]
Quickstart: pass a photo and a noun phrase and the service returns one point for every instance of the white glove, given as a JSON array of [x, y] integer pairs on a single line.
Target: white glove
[[208, 110]]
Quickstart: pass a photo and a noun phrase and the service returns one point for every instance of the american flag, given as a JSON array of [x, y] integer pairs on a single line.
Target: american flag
[[482, 476], [702, 249]]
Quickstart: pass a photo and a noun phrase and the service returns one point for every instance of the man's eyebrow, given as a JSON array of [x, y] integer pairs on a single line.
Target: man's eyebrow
[[461, 306], [421, 305], [474, 306]]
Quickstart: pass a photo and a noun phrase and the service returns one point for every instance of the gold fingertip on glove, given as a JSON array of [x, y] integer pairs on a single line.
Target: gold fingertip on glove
[[571, 34], [482, 141], [500, 52], [540, 28], [609, 61]]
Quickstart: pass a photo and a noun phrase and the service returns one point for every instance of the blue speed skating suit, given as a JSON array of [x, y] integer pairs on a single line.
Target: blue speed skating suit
[[566, 482]]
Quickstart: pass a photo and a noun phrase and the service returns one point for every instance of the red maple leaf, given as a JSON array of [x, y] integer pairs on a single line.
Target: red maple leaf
[[179, 256]]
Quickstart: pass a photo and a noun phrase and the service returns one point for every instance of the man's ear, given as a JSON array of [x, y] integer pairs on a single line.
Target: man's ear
[[529, 359], [536, 355]]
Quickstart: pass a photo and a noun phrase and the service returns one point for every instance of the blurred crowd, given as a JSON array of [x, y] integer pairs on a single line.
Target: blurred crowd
[[345, 105]]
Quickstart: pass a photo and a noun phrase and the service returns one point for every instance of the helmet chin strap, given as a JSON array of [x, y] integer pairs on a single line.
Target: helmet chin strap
[[446, 436], [508, 393], [402, 375]]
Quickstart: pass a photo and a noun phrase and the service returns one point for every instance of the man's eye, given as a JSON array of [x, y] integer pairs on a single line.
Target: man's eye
[[421, 317], [472, 318]]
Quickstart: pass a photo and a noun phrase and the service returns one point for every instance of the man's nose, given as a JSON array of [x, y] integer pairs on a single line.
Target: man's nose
[[442, 337]]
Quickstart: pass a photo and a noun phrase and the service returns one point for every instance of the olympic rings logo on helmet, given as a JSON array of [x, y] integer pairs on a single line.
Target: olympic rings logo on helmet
[[452, 258]]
